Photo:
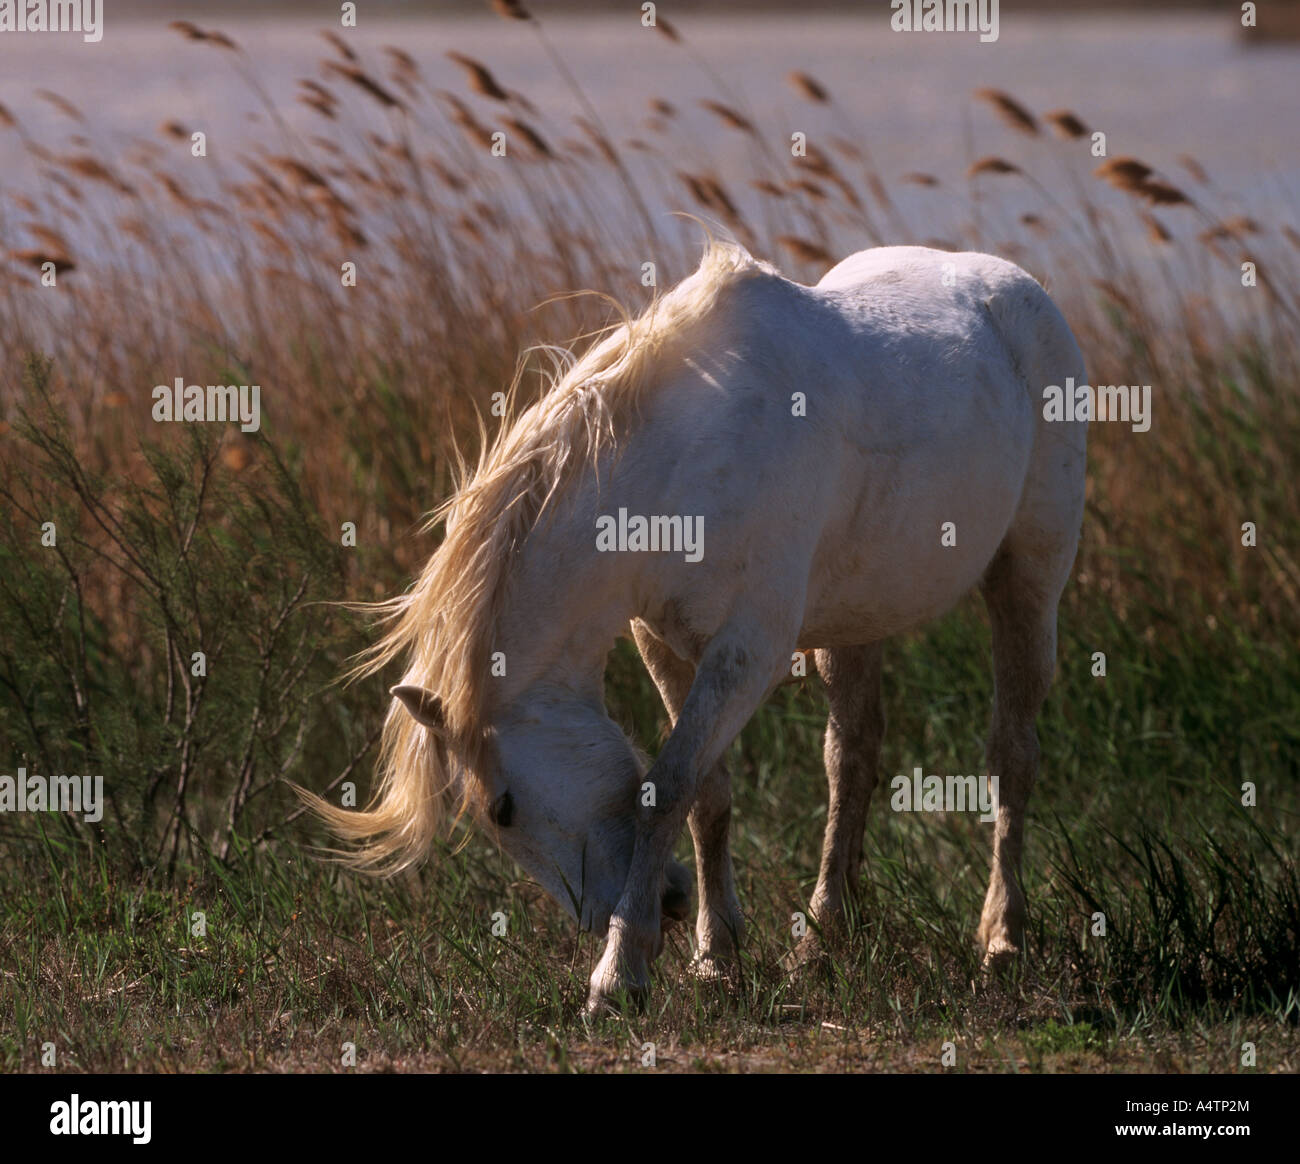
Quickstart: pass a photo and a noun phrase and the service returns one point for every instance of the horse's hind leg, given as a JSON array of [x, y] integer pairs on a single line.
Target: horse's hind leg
[[1021, 592], [719, 925], [851, 750]]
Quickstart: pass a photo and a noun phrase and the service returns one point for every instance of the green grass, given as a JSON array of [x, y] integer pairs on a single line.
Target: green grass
[[1141, 823]]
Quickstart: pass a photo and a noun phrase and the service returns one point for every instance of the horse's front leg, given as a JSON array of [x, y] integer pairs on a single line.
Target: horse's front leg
[[720, 926], [736, 672]]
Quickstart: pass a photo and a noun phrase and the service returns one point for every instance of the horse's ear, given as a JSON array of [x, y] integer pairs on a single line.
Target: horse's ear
[[423, 705]]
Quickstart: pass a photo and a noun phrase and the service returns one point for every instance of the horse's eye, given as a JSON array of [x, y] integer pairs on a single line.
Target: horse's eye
[[502, 811]]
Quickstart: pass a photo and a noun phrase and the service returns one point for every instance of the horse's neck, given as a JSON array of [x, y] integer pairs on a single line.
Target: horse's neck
[[565, 606]]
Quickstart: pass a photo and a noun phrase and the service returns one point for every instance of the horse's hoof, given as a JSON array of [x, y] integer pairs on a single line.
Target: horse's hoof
[[706, 969], [617, 1000], [808, 959], [1001, 959]]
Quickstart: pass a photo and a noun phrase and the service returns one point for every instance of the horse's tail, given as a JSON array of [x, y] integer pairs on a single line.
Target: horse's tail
[[406, 813], [1035, 332], [1046, 355]]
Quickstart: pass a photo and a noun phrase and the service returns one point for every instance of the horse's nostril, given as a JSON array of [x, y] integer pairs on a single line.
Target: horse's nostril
[[502, 811]]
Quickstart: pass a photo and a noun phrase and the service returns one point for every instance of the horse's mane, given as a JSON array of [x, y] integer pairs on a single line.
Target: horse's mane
[[444, 625]]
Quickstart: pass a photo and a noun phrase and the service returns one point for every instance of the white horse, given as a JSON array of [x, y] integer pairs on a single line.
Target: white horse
[[818, 467]]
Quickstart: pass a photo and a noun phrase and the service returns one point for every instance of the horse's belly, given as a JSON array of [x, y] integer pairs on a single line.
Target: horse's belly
[[891, 564], [857, 615]]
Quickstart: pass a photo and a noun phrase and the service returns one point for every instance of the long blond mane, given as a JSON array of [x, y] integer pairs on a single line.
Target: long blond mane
[[444, 625]]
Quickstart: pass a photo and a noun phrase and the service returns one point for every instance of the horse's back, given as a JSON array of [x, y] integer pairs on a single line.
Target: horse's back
[[972, 340], [870, 439], [904, 298], [968, 342]]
